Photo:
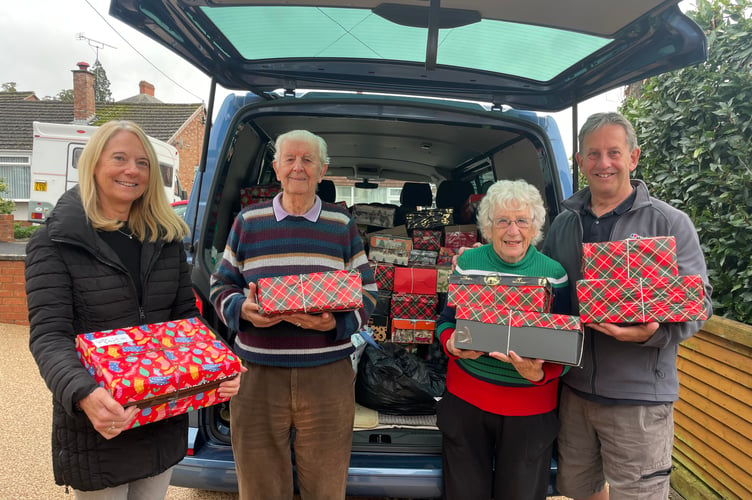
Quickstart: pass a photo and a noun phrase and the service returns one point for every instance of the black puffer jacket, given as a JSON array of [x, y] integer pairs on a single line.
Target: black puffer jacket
[[75, 283]]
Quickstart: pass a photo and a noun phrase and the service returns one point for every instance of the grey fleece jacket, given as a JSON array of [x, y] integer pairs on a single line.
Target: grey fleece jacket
[[627, 370]]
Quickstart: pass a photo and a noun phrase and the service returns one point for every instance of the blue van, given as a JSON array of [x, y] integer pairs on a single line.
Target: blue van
[[443, 93]]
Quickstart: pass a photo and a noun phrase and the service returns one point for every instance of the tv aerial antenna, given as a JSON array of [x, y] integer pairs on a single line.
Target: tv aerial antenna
[[95, 44]]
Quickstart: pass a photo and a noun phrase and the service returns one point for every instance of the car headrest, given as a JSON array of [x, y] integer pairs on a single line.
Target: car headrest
[[327, 191], [452, 194], [416, 194]]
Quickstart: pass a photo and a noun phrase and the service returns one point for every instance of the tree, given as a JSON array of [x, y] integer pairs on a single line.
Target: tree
[[8, 87], [6, 206], [101, 83], [65, 95], [695, 130]]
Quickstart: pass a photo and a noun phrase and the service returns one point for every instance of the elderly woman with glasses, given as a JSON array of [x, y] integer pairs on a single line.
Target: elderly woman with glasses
[[498, 416]]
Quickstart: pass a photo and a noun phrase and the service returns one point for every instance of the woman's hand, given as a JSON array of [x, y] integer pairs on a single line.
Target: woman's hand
[[229, 388], [530, 368], [461, 353], [107, 416]]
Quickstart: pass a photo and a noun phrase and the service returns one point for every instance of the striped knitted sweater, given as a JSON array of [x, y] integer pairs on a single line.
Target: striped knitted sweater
[[486, 382], [259, 246]]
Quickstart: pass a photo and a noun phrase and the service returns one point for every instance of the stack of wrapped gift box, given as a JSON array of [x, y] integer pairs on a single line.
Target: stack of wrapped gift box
[[411, 268], [498, 313], [257, 194], [637, 281], [310, 293], [165, 369]]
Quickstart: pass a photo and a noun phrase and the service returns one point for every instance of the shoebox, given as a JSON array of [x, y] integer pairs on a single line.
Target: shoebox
[[412, 331], [390, 248], [442, 279], [165, 369], [557, 338], [631, 258], [642, 300], [444, 258], [379, 326], [426, 239], [383, 303], [408, 305], [383, 274], [524, 293], [422, 258], [462, 235], [431, 218], [416, 280], [373, 215], [310, 293], [257, 194]]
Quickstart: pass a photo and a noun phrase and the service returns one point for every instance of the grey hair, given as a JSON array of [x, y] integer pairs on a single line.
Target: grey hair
[[598, 120], [304, 135], [512, 195]]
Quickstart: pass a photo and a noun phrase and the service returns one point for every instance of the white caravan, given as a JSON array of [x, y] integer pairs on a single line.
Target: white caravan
[[54, 165]]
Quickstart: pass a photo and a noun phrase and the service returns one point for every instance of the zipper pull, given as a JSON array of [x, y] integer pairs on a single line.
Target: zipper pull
[[141, 315]]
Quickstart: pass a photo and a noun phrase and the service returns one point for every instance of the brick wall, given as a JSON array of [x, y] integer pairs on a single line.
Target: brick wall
[[189, 142], [13, 291]]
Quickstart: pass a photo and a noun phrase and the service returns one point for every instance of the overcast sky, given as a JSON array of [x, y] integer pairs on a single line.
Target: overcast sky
[[39, 49]]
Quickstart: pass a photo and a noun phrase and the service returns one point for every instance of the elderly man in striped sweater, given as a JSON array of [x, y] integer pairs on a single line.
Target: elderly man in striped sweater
[[299, 385]]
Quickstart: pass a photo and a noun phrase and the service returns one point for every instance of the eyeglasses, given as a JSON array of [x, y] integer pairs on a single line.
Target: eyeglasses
[[503, 222]]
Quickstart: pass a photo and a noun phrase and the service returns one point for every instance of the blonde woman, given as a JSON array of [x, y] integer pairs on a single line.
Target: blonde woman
[[109, 256]]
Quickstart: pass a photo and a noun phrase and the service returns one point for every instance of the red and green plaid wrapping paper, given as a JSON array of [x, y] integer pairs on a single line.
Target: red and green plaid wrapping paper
[[407, 305], [509, 317], [257, 194], [631, 258], [426, 239], [165, 369], [412, 331], [665, 300], [311, 293], [511, 292], [384, 275]]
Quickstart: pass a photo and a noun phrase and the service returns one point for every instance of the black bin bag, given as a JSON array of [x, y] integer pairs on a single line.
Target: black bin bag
[[393, 381]]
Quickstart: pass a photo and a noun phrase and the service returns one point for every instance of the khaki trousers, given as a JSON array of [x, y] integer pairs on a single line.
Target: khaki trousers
[[311, 409]]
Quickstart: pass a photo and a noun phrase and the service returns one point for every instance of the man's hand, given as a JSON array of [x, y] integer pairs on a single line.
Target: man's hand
[[105, 414], [322, 322], [530, 368], [249, 311], [461, 353], [640, 332]]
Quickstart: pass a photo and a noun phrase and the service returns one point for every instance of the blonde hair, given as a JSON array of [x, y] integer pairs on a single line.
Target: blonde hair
[[151, 214], [512, 195]]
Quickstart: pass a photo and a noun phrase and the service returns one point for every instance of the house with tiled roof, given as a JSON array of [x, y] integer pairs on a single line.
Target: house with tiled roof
[[181, 125]]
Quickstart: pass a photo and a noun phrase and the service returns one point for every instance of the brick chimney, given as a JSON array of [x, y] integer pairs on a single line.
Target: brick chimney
[[145, 87], [84, 106]]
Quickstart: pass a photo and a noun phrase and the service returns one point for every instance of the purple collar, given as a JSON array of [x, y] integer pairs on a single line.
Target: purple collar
[[280, 213]]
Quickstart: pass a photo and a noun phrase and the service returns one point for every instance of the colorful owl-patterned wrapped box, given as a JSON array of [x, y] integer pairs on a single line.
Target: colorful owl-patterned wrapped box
[[311, 293], [165, 369], [631, 258]]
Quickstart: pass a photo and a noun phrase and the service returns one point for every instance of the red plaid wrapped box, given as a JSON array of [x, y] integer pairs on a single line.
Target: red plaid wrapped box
[[463, 235], [426, 239], [417, 280], [445, 257], [384, 275], [630, 258], [165, 369], [552, 337], [524, 293], [638, 300], [407, 305], [311, 293], [412, 331], [257, 194]]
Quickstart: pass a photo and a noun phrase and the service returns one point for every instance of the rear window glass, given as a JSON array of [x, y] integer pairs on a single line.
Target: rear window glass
[[533, 52]]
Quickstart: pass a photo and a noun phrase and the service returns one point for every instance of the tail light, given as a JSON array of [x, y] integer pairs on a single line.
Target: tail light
[[199, 303]]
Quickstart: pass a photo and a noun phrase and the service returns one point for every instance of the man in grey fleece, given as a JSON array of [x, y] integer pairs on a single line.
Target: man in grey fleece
[[617, 410]]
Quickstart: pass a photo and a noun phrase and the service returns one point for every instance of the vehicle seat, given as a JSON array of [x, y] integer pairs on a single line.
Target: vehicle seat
[[452, 194], [327, 191], [413, 195]]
